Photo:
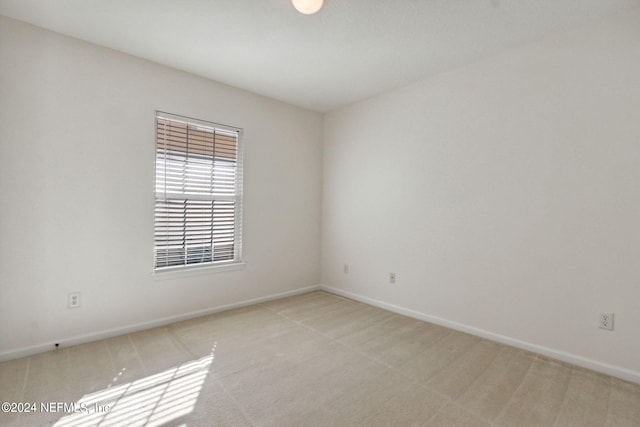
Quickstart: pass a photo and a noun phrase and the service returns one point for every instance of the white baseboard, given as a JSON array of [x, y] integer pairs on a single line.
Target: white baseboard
[[615, 371], [108, 333]]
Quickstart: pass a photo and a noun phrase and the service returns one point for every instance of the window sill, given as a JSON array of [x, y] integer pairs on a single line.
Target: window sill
[[187, 271]]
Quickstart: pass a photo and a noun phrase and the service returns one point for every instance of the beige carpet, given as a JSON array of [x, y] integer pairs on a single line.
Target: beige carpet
[[314, 359]]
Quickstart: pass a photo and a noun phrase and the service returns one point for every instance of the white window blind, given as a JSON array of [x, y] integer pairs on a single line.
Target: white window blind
[[198, 193]]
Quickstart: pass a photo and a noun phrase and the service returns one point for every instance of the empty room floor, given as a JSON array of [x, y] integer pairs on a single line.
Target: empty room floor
[[312, 359]]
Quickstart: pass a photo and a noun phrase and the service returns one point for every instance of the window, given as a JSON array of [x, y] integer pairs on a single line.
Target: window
[[198, 193]]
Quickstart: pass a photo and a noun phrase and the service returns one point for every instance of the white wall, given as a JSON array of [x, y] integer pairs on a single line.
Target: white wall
[[505, 195], [76, 190]]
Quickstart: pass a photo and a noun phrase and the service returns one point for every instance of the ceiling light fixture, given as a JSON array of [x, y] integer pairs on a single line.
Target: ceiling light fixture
[[307, 7]]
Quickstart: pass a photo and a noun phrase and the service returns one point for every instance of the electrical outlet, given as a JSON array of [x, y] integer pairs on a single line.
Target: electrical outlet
[[392, 278], [73, 300], [606, 321], [345, 269]]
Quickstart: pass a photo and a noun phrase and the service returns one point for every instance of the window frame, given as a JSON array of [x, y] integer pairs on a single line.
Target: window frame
[[237, 197]]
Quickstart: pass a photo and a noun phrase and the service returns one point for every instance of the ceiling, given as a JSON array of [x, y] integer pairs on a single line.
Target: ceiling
[[350, 50]]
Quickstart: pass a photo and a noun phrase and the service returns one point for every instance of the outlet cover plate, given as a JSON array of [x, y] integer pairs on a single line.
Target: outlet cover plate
[[73, 300], [606, 321]]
